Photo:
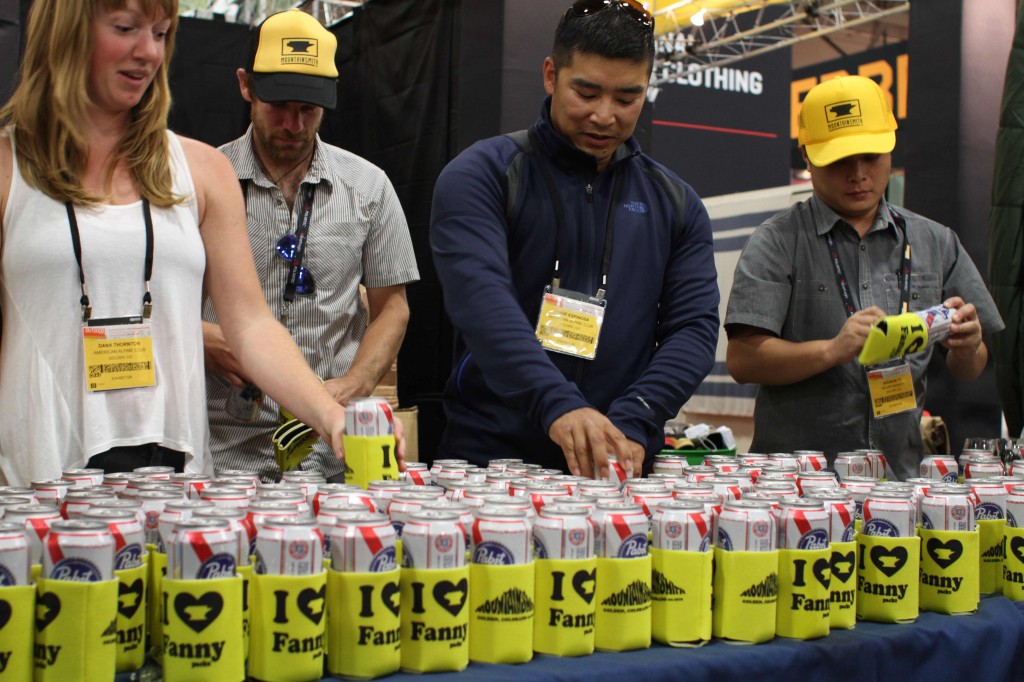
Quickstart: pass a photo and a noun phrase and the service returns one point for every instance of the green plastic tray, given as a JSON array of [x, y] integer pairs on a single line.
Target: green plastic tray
[[696, 457]]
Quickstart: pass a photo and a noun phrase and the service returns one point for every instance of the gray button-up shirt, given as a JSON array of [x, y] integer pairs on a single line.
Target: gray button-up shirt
[[785, 283]]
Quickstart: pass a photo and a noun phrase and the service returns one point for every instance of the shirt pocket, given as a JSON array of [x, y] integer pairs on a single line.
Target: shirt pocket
[[925, 291], [817, 311]]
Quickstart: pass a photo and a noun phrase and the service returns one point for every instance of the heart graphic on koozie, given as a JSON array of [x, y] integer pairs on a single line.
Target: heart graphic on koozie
[[451, 596], [311, 604], [47, 608], [1017, 547], [889, 561], [388, 594], [198, 612], [583, 582], [822, 571], [843, 561], [944, 554], [129, 598], [5, 613]]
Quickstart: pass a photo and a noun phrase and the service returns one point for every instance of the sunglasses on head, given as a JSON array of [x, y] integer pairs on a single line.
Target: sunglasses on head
[[304, 283], [585, 8]]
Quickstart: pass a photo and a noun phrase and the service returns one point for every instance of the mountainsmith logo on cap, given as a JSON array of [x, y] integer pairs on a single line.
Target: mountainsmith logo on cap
[[299, 51], [843, 114]]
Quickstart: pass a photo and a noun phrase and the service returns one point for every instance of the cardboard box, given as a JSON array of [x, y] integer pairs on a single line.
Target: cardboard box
[[410, 419]]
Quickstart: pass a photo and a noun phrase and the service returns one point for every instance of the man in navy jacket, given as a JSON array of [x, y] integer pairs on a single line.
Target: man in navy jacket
[[618, 249]]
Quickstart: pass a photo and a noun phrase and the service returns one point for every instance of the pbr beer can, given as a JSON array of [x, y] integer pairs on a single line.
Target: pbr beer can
[[803, 524], [690, 488], [948, 507], [403, 504], [439, 464], [325, 490], [535, 474], [501, 537], [153, 503], [202, 549], [773, 500], [572, 483], [602, 486], [238, 520], [1015, 508], [859, 487], [79, 499], [83, 478], [360, 496], [774, 471], [36, 520], [456, 490], [499, 464], [939, 468], [725, 464], [289, 546], [540, 493], [616, 472], [842, 512], [259, 511], [670, 464], [563, 532], [308, 481], [878, 465], [700, 472], [777, 489], [382, 492], [118, 480], [816, 480], [982, 467], [160, 473], [478, 497], [451, 474], [648, 496], [363, 543], [370, 416], [132, 504], [129, 536], [731, 487], [192, 483], [433, 539], [464, 511], [746, 526], [502, 480], [15, 555], [620, 530], [811, 460], [51, 491], [785, 459], [79, 550], [517, 503], [889, 513], [681, 526], [175, 512], [14, 501], [417, 473], [247, 474], [849, 464], [989, 498], [329, 514]]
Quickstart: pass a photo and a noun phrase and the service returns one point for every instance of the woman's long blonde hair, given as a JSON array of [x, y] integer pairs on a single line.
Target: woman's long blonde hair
[[51, 99]]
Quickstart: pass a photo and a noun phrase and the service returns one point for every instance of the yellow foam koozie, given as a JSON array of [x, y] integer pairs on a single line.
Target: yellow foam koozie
[[17, 607], [370, 458], [893, 336], [746, 591], [435, 619], [288, 627], [157, 565], [76, 631], [131, 617], [992, 551], [949, 571], [805, 594], [564, 590], [888, 578], [202, 630], [681, 597], [622, 621], [293, 442], [363, 626], [1013, 564], [501, 613], [842, 614]]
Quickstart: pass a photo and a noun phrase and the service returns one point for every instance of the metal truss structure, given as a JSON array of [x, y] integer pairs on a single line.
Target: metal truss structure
[[695, 35], [252, 12]]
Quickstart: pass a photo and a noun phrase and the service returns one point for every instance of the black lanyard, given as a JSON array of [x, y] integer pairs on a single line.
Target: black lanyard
[[76, 243], [606, 261], [903, 275], [301, 230]]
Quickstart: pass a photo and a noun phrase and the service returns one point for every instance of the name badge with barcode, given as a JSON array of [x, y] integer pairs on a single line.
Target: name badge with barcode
[[118, 353], [892, 390]]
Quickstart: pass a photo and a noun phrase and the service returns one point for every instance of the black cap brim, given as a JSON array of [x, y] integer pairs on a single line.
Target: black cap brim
[[295, 87]]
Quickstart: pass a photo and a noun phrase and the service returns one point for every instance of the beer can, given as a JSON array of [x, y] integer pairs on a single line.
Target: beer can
[[773, 471], [500, 463], [15, 555], [153, 503], [369, 416], [173, 513], [648, 496], [804, 523], [681, 525], [79, 550], [51, 491], [438, 464], [751, 471], [289, 546], [982, 467], [541, 493], [243, 403], [501, 537], [786, 459], [451, 474], [773, 500], [616, 472], [690, 488], [777, 489], [700, 472], [363, 543], [518, 503], [13, 501], [160, 473], [811, 460], [1016, 467], [670, 464], [417, 473], [842, 512], [563, 532], [603, 486], [192, 483], [128, 534], [477, 497], [521, 468], [568, 481], [240, 524], [948, 508], [889, 513], [78, 499], [620, 530], [118, 480], [36, 519], [247, 474], [730, 487], [668, 479], [878, 465], [132, 504], [202, 549], [383, 491], [433, 539], [939, 468], [746, 526], [329, 514], [464, 511], [989, 498], [308, 481], [851, 464], [859, 487], [402, 506], [535, 474], [816, 480], [297, 499], [502, 480], [1015, 508], [360, 496], [725, 464], [325, 490], [83, 478], [456, 490]]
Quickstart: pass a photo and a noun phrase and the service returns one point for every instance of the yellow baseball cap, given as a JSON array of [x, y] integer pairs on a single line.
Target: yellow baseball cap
[[843, 117], [293, 60]]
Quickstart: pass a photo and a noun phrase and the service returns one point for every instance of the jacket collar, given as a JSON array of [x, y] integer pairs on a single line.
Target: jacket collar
[[565, 154]]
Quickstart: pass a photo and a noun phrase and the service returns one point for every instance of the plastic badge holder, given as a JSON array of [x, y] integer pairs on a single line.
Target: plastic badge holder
[[681, 597], [501, 613], [202, 630], [288, 627], [370, 458], [157, 565], [888, 578], [76, 631], [363, 626], [131, 617], [622, 621], [842, 613], [564, 621], [949, 571], [17, 612], [1013, 566], [435, 619], [992, 551], [746, 590], [805, 594]]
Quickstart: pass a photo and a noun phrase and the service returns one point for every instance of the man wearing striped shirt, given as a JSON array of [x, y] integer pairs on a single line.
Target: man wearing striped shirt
[[311, 268]]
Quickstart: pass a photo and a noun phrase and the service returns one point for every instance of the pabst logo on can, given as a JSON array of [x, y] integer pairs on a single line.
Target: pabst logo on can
[[217, 566], [76, 569], [539, 550], [365, 417], [493, 554], [926, 522], [724, 541], [848, 532], [577, 536], [6, 577], [298, 550], [760, 528], [384, 561], [958, 512], [986, 511], [881, 528], [443, 543], [815, 539], [950, 477], [632, 547], [129, 556], [673, 529]]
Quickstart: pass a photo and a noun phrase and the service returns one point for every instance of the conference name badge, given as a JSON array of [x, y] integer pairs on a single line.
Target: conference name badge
[[892, 390], [118, 353], [570, 323]]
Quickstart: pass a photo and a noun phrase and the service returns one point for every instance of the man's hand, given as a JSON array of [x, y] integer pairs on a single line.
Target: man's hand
[[967, 353], [587, 437], [847, 344], [345, 388], [219, 358]]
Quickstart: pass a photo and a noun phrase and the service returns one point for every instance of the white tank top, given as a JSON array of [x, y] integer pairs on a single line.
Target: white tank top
[[49, 422]]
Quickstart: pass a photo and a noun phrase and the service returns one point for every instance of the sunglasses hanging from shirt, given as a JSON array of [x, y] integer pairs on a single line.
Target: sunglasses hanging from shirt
[[292, 247], [118, 350]]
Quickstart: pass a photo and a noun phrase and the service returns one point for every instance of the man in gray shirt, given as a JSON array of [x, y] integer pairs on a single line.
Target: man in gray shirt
[[814, 279]]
